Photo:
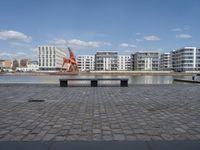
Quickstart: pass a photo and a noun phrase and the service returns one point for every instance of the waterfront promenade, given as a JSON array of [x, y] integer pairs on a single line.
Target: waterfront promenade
[[140, 112], [135, 113]]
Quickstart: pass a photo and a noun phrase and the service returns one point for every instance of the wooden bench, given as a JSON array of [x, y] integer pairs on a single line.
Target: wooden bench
[[94, 81]]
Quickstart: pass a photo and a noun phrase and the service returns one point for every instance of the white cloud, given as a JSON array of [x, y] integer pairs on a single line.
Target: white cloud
[[138, 33], [127, 45], [18, 55], [19, 45], [5, 54], [139, 40], [132, 45], [59, 43], [124, 45], [127, 51], [183, 36], [34, 49], [92, 44], [14, 36], [77, 43], [80, 43], [160, 49], [152, 38], [179, 29], [21, 53]]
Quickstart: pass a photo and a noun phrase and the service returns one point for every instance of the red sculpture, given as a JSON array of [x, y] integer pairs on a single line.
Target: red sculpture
[[71, 61]]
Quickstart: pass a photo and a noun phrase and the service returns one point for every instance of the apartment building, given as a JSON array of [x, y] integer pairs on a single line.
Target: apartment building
[[106, 60], [124, 62], [198, 59], [146, 60], [165, 61], [7, 64], [185, 59], [50, 58], [86, 62]]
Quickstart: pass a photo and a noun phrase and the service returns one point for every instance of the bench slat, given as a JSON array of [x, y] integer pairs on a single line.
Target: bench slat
[[94, 81]]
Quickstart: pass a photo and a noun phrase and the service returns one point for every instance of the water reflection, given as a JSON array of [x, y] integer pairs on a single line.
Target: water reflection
[[145, 79]]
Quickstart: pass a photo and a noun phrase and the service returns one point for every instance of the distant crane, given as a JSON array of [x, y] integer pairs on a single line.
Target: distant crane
[[71, 61]]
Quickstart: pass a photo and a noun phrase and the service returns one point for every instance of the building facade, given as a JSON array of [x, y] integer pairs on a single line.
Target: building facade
[[185, 59], [86, 62], [7, 64], [198, 59], [124, 62], [146, 60], [106, 61], [50, 58], [24, 62], [165, 61], [28, 68]]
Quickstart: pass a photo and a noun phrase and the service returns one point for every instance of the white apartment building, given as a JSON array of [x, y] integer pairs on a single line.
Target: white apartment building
[[165, 61], [185, 59], [124, 62], [146, 60], [106, 60], [198, 59], [86, 62], [50, 58], [29, 68]]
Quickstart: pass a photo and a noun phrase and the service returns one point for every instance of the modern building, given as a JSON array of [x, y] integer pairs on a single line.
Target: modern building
[[185, 59], [146, 60], [24, 62], [28, 68], [198, 59], [50, 58], [86, 62], [132, 62], [124, 62], [106, 60], [165, 61], [7, 64]]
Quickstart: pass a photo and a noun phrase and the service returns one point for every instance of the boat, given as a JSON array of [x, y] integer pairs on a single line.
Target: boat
[[186, 80]]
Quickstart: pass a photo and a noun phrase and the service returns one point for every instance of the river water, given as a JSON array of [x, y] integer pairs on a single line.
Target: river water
[[144, 79]]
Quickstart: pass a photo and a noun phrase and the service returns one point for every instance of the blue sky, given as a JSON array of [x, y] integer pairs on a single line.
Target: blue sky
[[90, 25]]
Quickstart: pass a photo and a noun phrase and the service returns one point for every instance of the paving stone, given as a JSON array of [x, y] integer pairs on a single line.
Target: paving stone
[[131, 138], [138, 131], [96, 131], [107, 138], [96, 137], [48, 137], [119, 137], [180, 130], [139, 112], [59, 138]]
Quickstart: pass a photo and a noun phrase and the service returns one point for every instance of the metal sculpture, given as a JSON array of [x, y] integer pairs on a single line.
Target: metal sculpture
[[71, 62]]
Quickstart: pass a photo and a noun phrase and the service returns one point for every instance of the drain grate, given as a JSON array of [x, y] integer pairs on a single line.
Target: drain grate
[[36, 100]]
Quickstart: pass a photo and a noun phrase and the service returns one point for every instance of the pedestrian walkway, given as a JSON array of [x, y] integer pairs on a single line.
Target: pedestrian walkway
[[133, 145], [137, 113]]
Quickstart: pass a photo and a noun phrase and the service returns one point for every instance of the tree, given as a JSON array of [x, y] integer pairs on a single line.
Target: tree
[[15, 64]]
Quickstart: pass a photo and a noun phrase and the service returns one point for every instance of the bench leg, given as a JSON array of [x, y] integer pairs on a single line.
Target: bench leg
[[94, 83], [63, 83], [124, 83]]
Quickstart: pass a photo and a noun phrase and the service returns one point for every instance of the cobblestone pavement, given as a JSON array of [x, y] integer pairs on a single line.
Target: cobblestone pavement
[[140, 112]]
